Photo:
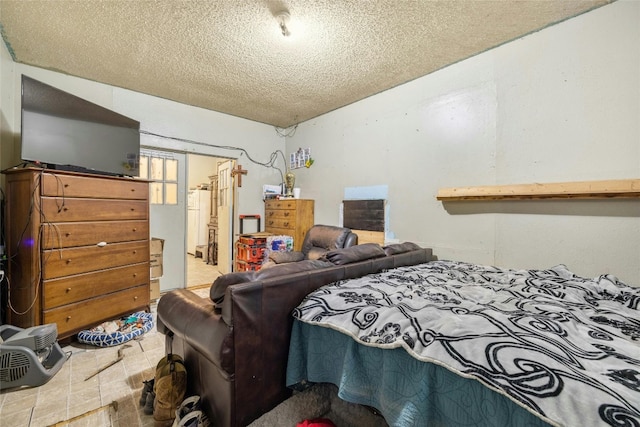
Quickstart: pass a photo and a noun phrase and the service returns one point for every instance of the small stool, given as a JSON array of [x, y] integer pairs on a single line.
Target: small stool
[[243, 217]]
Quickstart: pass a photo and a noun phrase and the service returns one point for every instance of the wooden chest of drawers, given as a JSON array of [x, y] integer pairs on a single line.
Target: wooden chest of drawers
[[292, 217], [79, 248]]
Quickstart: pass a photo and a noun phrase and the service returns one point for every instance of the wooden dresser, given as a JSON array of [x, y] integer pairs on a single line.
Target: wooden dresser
[[291, 217], [78, 246]]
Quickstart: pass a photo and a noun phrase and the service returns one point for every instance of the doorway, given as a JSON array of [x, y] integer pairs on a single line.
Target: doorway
[[173, 175], [167, 172], [208, 210]]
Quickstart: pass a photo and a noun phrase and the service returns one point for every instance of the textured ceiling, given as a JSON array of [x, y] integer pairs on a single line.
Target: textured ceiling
[[230, 55]]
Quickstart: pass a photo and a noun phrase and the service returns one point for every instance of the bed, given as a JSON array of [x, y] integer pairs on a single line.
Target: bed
[[451, 343]]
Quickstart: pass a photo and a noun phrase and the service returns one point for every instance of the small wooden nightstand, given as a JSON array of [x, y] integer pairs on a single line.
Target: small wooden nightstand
[[290, 217]]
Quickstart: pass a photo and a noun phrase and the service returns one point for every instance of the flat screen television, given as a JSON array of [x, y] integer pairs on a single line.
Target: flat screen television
[[63, 131]]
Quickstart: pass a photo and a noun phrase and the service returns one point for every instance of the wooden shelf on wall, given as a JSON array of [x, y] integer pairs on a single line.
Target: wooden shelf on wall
[[617, 188]]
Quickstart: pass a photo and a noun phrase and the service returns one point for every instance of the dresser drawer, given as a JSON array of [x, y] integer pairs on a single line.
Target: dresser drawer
[[87, 314], [66, 262], [280, 204], [67, 290], [69, 234], [271, 223], [59, 209], [103, 188], [289, 214], [282, 232]]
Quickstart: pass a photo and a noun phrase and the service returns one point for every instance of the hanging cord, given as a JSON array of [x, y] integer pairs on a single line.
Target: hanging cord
[[2, 219], [52, 228], [37, 280], [287, 132], [268, 164]]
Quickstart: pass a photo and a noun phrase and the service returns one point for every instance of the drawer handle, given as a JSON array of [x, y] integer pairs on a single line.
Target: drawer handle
[[286, 224], [270, 222], [66, 186], [135, 229], [287, 213], [68, 261], [271, 213], [68, 318], [135, 252], [68, 290], [65, 209], [133, 209], [135, 298], [135, 274], [67, 235]]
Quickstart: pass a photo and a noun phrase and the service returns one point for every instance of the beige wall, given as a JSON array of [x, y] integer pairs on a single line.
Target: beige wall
[[562, 104], [187, 129], [8, 103]]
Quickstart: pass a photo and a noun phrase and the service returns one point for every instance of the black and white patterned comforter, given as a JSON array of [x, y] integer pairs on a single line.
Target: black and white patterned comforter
[[565, 347]]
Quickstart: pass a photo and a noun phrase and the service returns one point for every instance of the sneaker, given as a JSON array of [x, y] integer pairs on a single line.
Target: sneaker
[[146, 389], [192, 419], [187, 406]]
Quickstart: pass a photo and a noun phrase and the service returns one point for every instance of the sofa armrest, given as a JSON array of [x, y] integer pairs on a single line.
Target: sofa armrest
[[194, 320], [351, 240]]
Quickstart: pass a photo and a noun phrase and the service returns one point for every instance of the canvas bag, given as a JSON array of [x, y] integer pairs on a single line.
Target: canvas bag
[[170, 386]]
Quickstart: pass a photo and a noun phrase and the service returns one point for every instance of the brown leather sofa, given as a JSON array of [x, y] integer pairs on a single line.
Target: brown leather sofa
[[319, 240], [235, 349]]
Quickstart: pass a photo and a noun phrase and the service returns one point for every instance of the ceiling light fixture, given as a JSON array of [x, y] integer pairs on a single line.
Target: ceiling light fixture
[[283, 19]]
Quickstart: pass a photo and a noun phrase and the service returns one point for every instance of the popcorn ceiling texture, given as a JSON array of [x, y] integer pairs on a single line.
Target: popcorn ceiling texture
[[231, 57]]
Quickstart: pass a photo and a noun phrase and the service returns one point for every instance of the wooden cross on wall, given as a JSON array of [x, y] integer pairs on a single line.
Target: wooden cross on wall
[[238, 171]]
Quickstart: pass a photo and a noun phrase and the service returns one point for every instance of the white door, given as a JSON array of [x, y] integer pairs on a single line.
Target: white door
[[225, 216], [167, 210]]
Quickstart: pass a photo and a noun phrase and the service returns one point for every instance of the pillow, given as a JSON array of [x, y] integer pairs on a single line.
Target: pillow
[[399, 248], [284, 257], [355, 253], [219, 287]]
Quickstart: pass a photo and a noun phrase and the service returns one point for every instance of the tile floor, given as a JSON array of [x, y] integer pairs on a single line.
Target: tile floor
[[68, 400], [200, 273]]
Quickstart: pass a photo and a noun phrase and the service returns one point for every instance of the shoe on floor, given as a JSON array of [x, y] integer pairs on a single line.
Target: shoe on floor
[[190, 404], [192, 419], [146, 389], [148, 404], [169, 388]]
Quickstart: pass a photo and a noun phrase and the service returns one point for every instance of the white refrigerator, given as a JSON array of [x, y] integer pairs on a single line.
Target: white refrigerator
[[198, 214]]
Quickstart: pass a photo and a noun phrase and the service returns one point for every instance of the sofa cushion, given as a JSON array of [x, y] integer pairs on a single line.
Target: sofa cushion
[[399, 248], [316, 253], [219, 287], [284, 257], [290, 268], [322, 238], [355, 253]]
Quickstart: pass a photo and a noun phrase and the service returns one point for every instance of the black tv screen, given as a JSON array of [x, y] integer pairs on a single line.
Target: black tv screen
[[63, 131]]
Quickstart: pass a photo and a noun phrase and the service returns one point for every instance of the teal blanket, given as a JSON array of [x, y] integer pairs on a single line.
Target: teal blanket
[[564, 347]]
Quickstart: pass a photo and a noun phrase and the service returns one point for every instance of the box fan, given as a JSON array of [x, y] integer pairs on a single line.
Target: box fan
[[29, 357]]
